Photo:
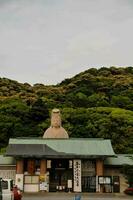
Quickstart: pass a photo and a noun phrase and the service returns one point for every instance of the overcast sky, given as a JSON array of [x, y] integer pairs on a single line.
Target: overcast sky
[[46, 41]]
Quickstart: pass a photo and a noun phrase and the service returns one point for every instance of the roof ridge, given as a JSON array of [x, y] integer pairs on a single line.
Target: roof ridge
[[40, 138]]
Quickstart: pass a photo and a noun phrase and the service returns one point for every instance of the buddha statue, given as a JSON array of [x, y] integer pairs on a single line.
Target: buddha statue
[[55, 130]]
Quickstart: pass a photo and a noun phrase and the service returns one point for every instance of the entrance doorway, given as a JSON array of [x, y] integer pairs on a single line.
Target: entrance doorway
[[116, 183], [59, 174]]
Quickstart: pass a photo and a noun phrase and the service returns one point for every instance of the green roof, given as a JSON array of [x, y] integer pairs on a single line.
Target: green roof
[[7, 160], [71, 146], [121, 159]]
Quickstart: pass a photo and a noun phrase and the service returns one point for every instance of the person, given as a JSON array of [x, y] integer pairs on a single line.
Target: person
[[17, 193]]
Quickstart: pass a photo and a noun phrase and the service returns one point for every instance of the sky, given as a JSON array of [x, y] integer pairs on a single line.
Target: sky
[[47, 41]]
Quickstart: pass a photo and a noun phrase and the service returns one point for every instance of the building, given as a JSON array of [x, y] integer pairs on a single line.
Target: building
[[7, 167], [113, 167], [59, 163]]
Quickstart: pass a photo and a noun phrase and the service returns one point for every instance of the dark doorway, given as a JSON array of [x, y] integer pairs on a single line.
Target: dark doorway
[[116, 184], [60, 173]]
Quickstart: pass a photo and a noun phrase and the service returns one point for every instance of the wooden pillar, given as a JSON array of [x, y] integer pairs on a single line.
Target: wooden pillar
[[31, 166], [19, 173], [99, 167], [99, 172], [43, 167], [19, 167]]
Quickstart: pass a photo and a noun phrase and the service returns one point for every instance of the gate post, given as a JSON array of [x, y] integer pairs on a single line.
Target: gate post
[[99, 172]]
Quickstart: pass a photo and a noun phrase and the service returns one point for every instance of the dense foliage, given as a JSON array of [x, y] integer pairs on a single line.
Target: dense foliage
[[94, 103], [128, 171]]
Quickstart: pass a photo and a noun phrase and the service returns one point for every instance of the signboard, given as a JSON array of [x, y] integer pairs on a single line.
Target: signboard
[[77, 175], [69, 183], [104, 180], [48, 164], [101, 180], [43, 186]]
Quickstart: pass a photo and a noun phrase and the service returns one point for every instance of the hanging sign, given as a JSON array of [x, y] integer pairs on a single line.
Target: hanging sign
[[77, 175]]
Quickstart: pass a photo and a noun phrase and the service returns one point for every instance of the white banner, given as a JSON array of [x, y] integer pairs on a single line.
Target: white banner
[[77, 175]]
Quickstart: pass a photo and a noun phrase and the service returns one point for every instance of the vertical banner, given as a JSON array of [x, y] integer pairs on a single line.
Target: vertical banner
[[97, 185], [77, 175]]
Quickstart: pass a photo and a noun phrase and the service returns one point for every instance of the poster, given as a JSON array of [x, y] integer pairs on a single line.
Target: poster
[[43, 186]]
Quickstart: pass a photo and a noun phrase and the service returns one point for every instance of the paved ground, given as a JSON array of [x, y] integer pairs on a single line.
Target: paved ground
[[71, 196]]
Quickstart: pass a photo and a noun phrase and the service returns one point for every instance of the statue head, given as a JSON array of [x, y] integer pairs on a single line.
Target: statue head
[[55, 118]]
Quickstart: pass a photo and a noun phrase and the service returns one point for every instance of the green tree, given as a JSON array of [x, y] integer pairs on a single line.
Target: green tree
[[39, 111], [128, 171]]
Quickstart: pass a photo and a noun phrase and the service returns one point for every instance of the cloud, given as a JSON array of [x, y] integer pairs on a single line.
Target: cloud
[[47, 41]]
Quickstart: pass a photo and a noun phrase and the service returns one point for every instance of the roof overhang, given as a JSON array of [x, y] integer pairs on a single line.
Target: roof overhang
[[44, 151]]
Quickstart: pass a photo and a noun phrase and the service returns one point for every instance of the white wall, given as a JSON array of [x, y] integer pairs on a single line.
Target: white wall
[[9, 174]]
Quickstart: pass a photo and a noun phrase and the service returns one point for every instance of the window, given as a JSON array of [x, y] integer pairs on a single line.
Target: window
[[4, 184], [31, 179]]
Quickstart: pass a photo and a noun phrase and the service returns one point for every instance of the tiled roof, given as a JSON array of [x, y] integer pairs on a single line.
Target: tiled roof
[[121, 159], [68, 147]]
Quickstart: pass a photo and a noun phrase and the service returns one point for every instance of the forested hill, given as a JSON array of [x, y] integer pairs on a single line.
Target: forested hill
[[94, 103]]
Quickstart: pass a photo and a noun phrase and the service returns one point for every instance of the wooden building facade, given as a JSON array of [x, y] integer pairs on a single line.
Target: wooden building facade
[[61, 164]]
